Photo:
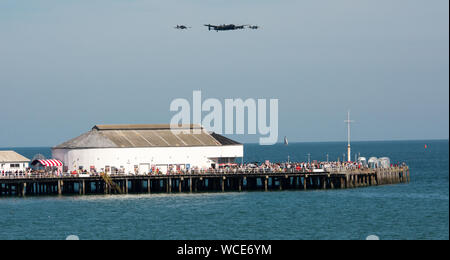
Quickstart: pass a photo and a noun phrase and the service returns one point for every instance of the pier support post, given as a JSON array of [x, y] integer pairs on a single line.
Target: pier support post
[[266, 183], [105, 187], [197, 183], [24, 189], [223, 183], [60, 184], [149, 185], [190, 184], [83, 187]]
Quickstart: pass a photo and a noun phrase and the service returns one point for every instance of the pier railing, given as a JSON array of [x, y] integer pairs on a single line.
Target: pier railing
[[333, 170]]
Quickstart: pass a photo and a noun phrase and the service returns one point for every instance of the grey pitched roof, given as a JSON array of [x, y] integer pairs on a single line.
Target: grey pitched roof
[[224, 140], [11, 156], [132, 136], [145, 127]]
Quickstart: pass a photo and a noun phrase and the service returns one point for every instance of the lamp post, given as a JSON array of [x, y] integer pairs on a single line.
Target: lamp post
[[348, 121]]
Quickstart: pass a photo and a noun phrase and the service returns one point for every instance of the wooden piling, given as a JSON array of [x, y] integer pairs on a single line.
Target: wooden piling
[[60, 184], [23, 189]]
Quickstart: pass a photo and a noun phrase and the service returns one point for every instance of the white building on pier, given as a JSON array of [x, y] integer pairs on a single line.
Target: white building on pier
[[139, 149], [11, 161]]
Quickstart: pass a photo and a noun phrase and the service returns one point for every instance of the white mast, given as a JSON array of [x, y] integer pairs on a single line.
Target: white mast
[[348, 121]]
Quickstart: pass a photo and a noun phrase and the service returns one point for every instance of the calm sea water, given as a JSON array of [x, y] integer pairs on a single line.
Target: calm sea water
[[419, 210]]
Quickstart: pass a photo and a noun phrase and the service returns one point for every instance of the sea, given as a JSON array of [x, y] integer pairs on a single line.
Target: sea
[[415, 211]]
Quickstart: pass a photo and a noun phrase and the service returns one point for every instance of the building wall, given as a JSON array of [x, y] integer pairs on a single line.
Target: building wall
[[6, 167], [144, 158]]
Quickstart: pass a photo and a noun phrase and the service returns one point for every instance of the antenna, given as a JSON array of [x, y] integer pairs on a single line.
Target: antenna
[[348, 121]]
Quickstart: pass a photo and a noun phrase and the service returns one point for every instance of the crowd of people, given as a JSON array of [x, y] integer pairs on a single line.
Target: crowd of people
[[286, 167], [291, 167], [27, 173], [13, 174], [249, 168]]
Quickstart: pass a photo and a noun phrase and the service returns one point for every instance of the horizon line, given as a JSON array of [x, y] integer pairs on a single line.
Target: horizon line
[[293, 142]]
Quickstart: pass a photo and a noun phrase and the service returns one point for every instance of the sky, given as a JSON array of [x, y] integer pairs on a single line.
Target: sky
[[66, 66]]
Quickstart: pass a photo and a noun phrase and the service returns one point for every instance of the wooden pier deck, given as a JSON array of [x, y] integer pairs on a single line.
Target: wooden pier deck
[[207, 182]]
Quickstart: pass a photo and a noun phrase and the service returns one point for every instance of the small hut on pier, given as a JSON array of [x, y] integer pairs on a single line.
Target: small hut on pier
[[11, 161]]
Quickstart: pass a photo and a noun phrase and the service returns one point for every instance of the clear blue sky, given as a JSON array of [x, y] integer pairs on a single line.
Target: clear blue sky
[[68, 65]]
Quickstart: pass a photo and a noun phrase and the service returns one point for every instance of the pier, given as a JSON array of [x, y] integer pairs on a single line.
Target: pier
[[212, 181]]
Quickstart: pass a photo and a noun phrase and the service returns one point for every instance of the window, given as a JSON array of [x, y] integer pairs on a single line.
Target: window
[[14, 165]]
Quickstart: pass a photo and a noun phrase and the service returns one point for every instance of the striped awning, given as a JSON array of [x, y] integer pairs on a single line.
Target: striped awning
[[50, 163]]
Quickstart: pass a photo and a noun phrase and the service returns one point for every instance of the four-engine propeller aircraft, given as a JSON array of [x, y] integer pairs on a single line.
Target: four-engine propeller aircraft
[[225, 27]]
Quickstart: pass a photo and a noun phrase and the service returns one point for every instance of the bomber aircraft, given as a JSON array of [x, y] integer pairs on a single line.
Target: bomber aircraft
[[225, 27]]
